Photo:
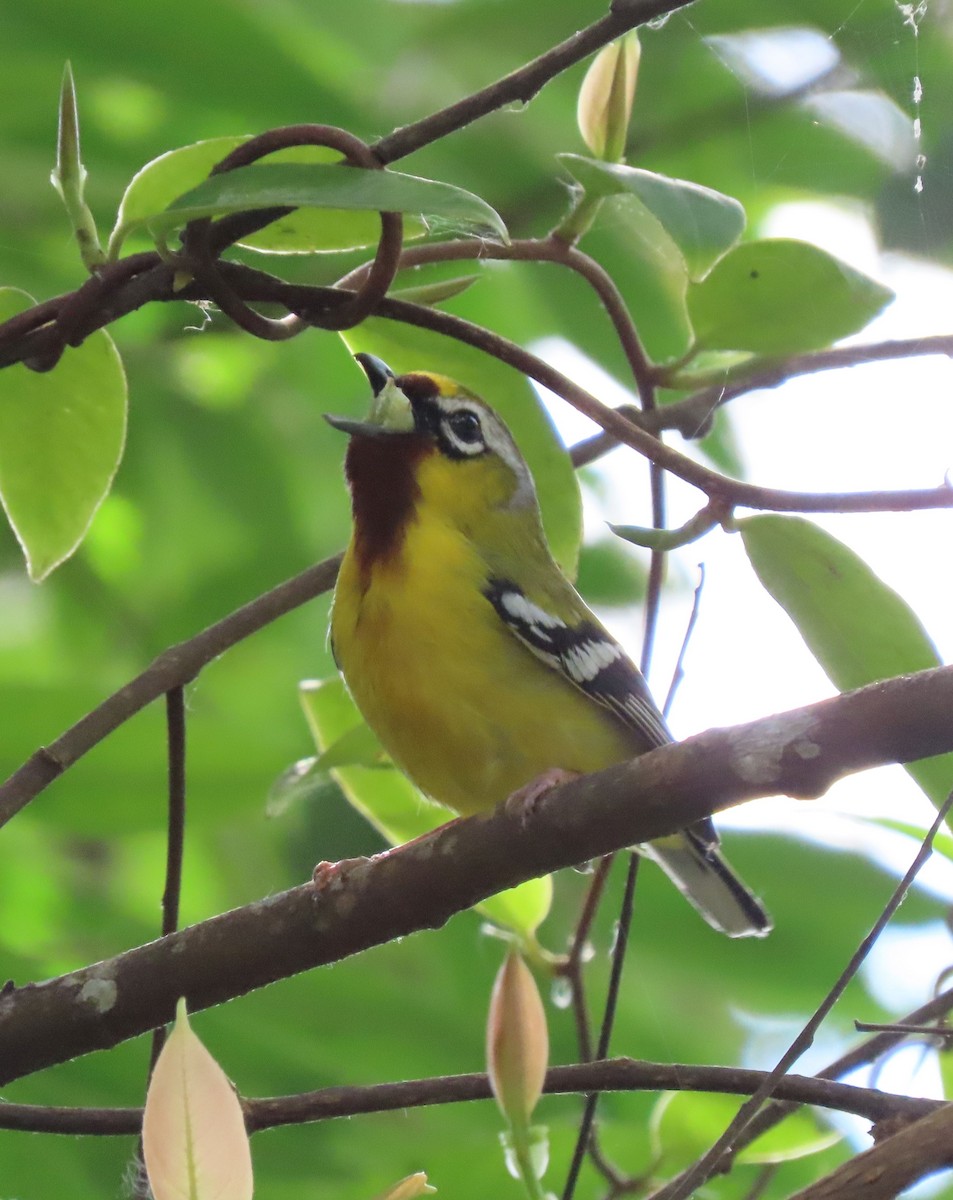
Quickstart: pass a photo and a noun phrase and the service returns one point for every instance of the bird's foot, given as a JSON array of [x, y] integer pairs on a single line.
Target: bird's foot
[[522, 803]]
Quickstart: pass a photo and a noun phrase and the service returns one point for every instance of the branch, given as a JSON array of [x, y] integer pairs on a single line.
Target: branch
[[522, 85], [717, 487], [685, 1185], [861, 1055], [610, 1075], [364, 903], [172, 669], [314, 304], [693, 415], [893, 1164]]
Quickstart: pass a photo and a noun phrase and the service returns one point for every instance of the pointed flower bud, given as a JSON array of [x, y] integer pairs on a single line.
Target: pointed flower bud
[[193, 1132], [517, 1041], [69, 175], [606, 98]]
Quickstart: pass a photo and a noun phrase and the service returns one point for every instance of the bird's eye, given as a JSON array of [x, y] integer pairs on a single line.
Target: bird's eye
[[465, 427]]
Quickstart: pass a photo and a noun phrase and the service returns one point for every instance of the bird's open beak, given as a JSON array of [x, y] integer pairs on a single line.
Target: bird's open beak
[[390, 411], [377, 371], [364, 428]]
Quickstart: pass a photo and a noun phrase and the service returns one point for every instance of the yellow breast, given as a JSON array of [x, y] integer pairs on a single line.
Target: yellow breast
[[466, 710]]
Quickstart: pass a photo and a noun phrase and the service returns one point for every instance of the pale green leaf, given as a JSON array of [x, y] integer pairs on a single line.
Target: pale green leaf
[[781, 296], [684, 1124], [304, 231], [859, 629], [436, 292], [61, 438], [704, 224], [323, 186]]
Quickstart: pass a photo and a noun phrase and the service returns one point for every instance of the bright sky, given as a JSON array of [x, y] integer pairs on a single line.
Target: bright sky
[[888, 425]]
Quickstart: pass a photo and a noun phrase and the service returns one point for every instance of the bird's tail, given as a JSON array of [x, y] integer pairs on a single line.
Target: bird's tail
[[699, 871]]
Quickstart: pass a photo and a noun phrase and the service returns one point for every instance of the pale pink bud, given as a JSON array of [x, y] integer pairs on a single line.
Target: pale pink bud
[[408, 1188], [193, 1132], [517, 1041], [606, 98]]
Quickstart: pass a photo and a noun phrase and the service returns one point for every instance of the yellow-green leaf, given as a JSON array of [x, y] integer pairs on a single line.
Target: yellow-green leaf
[[781, 296], [62, 434], [859, 629]]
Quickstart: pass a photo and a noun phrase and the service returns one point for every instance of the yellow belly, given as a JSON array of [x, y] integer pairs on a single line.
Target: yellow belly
[[462, 707]]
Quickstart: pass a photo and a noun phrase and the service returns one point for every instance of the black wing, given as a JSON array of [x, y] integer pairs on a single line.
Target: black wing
[[585, 655]]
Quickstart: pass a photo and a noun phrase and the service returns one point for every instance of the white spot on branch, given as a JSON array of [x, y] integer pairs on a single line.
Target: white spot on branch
[[757, 754], [100, 993]]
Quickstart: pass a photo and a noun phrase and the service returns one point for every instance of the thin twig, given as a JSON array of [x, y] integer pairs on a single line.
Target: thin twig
[[860, 1056], [523, 84], [704, 1167], [605, 1033], [611, 1075], [692, 415], [679, 673], [572, 969], [175, 834]]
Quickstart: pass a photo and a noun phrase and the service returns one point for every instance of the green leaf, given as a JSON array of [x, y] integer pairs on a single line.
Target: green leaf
[[704, 224], [781, 296], [859, 629], [663, 281], [319, 185], [61, 438], [160, 181], [392, 804], [684, 1124], [436, 292], [944, 1060], [610, 575], [405, 349], [305, 231]]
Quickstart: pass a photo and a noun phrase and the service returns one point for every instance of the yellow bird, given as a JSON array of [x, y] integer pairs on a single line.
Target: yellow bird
[[467, 650]]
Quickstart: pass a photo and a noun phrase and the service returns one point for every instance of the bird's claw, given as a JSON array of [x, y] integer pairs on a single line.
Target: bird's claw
[[522, 804]]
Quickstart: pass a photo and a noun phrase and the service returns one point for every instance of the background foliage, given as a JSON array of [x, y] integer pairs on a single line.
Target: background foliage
[[231, 482]]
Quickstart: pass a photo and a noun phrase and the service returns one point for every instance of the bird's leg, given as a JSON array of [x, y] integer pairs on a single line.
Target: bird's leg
[[522, 803]]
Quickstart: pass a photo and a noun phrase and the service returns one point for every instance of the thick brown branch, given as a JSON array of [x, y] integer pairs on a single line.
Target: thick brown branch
[[612, 1075], [891, 1166], [365, 903]]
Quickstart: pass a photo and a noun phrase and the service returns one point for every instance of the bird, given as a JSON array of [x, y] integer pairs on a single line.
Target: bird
[[464, 645]]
